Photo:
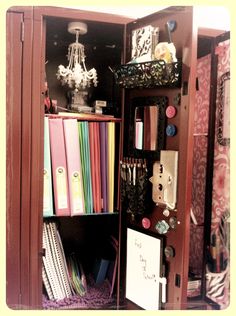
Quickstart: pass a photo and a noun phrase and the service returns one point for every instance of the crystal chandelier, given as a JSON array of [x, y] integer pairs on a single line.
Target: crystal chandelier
[[76, 75]]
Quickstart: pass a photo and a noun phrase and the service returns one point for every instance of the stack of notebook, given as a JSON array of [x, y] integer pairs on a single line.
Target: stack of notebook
[[79, 167], [54, 269], [64, 277]]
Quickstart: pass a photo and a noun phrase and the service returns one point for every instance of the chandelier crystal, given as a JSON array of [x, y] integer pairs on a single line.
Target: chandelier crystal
[[76, 75]]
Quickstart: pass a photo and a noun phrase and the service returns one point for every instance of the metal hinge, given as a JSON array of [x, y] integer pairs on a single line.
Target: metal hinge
[[19, 300], [22, 31]]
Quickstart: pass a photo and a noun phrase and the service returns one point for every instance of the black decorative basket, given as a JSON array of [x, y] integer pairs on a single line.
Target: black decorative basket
[[148, 74]]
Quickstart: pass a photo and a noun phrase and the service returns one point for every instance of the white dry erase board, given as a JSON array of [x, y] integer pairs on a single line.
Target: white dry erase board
[[143, 270]]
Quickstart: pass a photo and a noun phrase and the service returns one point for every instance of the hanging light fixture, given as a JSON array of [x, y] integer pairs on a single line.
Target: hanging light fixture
[[76, 75]]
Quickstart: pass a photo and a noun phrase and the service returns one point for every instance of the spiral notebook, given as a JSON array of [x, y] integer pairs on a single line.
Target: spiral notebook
[[50, 269], [55, 272]]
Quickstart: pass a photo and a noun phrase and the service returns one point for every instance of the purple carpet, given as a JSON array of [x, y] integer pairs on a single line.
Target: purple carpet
[[97, 297]]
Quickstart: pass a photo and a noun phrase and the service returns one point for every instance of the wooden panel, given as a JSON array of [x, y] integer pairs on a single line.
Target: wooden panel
[[79, 15], [19, 156], [13, 152], [26, 160], [37, 150]]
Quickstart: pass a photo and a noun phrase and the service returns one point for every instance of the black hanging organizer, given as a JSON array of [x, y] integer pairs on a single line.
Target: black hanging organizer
[[148, 74]]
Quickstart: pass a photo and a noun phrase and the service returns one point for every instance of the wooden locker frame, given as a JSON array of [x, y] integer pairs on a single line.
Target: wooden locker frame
[[32, 147]]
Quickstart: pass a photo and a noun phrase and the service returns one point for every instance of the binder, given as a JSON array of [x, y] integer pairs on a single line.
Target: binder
[[103, 164], [94, 144], [92, 156], [97, 168], [74, 170], [111, 164], [86, 167], [59, 167], [47, 174]]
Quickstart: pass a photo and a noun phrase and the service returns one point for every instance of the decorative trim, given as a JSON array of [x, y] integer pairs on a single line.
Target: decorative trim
[[224, 104], [148, 74]]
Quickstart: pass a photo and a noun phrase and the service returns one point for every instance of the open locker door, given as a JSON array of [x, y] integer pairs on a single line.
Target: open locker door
[[176, 236]]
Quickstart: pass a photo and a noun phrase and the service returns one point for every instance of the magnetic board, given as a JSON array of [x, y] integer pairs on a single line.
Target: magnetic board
[[143, 269]]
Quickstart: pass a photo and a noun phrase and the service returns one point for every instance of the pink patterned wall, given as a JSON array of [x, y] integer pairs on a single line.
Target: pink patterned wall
[[201, 115], [221, 173], [221, 176], [221, 192]]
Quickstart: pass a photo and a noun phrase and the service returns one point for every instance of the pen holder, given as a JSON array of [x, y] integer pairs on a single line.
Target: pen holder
[[134, 196], [217, 287], [137, 195]]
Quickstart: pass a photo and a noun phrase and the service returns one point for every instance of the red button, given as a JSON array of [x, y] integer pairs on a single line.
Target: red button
[[146, 222], [170, 111]]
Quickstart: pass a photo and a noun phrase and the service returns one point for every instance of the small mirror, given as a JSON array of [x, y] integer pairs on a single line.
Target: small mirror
[[146, 127]]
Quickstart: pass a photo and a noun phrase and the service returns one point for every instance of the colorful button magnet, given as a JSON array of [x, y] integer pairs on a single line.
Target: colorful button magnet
[[166, 212], [162, 227], [171, 130], [173, 222], [170, 111], [146, 223], [169, 252]]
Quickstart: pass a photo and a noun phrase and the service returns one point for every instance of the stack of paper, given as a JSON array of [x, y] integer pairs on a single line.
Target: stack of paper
[[77, 276]]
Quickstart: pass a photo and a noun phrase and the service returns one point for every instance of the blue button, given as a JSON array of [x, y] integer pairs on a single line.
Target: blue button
[[171, 130]]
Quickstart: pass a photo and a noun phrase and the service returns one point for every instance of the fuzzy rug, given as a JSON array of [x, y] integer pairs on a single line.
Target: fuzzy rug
[[97, 297]]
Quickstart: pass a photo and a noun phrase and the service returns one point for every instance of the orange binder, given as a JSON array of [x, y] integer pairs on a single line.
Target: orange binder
[[94, 143]]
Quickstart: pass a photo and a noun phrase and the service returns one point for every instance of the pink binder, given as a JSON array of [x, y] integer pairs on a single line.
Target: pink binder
[[74, 170], [98, 168], [59, 167]]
